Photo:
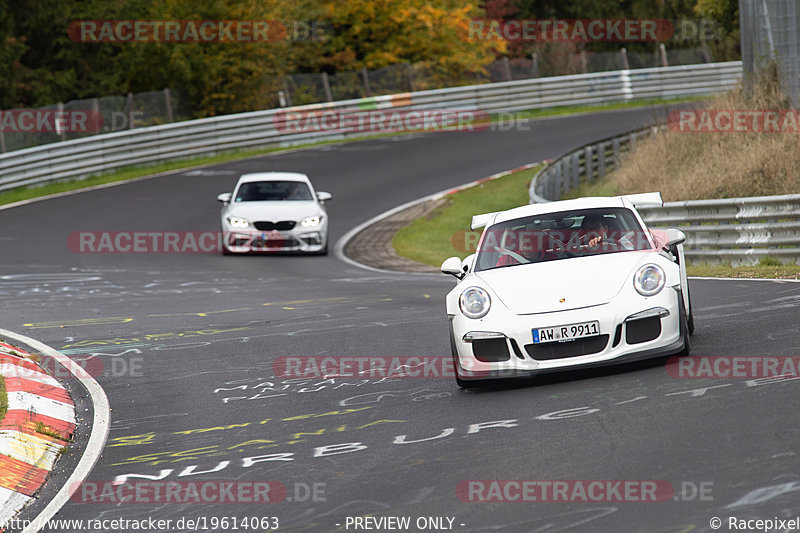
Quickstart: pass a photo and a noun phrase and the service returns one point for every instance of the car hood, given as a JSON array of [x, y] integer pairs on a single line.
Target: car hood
[[579, 281], [273, 211]]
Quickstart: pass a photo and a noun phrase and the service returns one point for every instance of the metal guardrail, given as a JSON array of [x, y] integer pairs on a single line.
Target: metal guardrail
[[735, 231], [156, 144], [587, 163]]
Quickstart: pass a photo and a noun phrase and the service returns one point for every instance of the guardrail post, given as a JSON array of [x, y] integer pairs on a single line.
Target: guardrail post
[[706, 52], [168, 103], [632, 142], [576, 171], [507, 68], [129, 105], [2, 142], [287, 93], [61, 133], [662, 53], [327, 86], [615, 146], [410, 71], [601, 160], [555, 192], [565, 169], [584, 61], [589, 166], [534, 65], [365, 75], [96, 107], [623, 59]]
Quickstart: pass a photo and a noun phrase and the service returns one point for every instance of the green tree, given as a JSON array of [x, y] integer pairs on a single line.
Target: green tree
[[11, 50], [726, 14], [216, 77], [55, 68]]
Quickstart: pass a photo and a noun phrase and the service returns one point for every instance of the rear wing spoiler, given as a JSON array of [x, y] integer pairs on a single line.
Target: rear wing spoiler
[[479, 221], [645, 199]]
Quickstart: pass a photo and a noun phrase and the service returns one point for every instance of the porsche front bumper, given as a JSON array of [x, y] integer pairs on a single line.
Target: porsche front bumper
[[501, 345]]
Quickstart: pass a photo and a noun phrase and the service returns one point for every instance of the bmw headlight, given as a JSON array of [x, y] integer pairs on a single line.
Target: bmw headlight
[[310, 222], [237, 222], [649, 280], [474, 302]]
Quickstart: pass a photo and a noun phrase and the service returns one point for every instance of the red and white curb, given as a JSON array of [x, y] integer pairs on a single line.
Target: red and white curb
[[40, 420], [101, 420]]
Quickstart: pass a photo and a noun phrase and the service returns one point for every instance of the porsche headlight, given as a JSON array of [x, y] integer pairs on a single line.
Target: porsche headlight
[[474, 302], [649, 280], [310, 222], [237, 222]]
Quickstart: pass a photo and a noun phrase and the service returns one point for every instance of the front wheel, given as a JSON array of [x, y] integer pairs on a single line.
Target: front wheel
[[687, 346]]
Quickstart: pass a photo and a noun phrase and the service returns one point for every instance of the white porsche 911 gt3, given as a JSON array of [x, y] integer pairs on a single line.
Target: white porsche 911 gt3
[[567, 284], [274, 212]]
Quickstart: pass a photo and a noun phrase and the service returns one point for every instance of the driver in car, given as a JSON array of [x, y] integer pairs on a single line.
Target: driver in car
[[594, 229]]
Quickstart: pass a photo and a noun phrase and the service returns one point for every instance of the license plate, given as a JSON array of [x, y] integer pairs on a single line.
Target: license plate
[[271, 239], [566, 333]]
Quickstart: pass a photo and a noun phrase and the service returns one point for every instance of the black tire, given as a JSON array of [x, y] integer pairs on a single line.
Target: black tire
[[689, 314], [687, 345]]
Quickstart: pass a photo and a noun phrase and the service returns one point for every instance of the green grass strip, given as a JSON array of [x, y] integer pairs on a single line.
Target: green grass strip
[[3, 398]]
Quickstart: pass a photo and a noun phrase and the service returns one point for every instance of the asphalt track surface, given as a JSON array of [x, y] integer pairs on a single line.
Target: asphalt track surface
[[188, 342]]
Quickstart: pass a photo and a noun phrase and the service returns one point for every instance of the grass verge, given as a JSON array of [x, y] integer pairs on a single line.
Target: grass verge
[[27, 193], [3, 398], [50, 432], [445, 231], [748, 272], [694, 162]]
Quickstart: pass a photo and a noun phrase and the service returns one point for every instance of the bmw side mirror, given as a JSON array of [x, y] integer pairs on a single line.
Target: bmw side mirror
[[452, 266], [323, 196], [225, 198]]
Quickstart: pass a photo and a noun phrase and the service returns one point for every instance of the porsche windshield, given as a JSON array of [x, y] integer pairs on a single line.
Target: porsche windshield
[[562, 235], [273, 191]]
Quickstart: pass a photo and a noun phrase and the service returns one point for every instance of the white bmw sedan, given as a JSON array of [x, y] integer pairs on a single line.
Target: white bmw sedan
[[274, 212], [567, 284]]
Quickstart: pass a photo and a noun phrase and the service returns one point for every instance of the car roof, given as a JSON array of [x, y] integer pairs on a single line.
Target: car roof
[[273, 176]]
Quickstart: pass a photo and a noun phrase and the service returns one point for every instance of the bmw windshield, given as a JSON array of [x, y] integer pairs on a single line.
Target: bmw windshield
[[561, 235], [273, 191]]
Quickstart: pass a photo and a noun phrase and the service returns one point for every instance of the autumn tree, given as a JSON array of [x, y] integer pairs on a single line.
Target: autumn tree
[[377, 34]]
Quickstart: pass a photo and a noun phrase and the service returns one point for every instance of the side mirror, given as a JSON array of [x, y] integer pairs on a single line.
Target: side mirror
[[323, 196], [452, 266], [225, 198], [674, 238]]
